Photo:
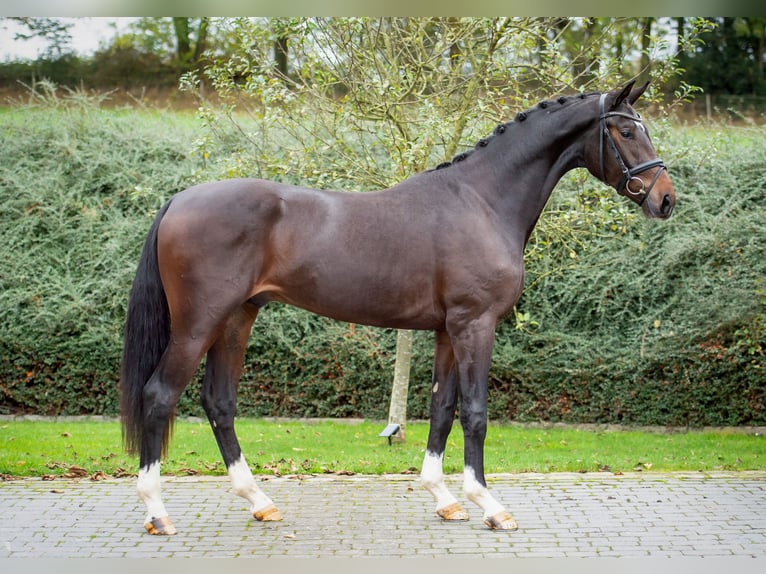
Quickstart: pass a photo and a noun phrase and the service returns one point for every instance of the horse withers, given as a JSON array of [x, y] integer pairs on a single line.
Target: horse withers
[[441, 251]]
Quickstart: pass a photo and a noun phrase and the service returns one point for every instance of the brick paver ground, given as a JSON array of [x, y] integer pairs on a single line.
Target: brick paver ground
[[560, 515]]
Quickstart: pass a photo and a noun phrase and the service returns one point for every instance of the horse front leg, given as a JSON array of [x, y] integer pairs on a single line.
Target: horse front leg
[[473, 351], [443, 405], [219, 399]]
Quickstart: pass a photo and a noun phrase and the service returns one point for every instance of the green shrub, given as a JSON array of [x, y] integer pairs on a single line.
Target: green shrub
[[664, 323], [78, 187], [633, 322]]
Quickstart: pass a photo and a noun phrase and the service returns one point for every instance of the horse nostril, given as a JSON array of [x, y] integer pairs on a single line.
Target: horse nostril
[[666, 206]]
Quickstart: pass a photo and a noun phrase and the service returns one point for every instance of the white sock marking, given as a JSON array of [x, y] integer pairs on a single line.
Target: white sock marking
[[432, 479], [148, 486], [479, 494], [243, 484]]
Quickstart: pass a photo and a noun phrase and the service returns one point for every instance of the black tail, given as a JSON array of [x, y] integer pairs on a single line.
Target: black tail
[[147, 330]]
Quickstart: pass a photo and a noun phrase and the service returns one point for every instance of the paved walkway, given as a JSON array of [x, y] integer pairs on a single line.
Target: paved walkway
[[560, 515]]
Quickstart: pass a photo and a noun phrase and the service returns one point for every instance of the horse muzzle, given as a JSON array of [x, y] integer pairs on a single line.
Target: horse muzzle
[[660, 201]]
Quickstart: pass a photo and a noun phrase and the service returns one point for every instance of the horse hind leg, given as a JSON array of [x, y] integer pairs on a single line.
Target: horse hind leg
[[219, 397], [160, 395]]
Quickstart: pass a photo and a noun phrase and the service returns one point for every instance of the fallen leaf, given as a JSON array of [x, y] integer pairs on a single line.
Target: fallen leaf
[[300, 476], [75, 472], [120, 472]]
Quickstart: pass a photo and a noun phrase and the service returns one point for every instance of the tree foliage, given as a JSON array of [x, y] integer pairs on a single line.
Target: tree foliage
[[730, 57], [368, 102], [56, 33]]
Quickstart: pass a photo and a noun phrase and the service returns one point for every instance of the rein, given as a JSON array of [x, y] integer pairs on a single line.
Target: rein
[[628, 173]]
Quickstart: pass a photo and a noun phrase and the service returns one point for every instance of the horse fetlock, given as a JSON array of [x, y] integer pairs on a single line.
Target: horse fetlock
[[431, 483]]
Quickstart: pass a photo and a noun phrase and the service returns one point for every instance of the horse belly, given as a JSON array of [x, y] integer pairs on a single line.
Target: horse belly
[[371, 278], [344, 292]]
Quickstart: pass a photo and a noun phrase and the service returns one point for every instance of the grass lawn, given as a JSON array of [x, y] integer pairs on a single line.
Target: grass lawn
[[88, 448]]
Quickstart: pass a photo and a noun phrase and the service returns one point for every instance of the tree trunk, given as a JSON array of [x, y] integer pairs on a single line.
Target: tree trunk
[[455, 53], [680, 30], [646, 44], [591, 61], [280, 55], [757, 27], [183, 44], [397, 412], [201, 46]]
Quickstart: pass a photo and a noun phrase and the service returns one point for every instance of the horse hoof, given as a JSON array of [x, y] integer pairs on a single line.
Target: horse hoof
[[268, 514], [161, 526], [501, 521], [452, 512]]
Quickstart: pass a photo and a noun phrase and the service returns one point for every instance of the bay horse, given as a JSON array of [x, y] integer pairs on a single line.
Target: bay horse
[[441, 251]]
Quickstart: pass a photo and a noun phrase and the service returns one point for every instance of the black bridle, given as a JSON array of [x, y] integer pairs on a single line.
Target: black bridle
[[628, 173]]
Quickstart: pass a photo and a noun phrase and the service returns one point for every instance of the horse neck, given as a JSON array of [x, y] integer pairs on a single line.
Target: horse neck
[[528, 160]]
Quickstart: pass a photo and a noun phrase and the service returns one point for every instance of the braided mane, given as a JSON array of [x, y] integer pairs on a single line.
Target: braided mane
[[502, 128]]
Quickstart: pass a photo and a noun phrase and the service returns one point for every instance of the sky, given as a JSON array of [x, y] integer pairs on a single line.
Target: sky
[[87, 35]]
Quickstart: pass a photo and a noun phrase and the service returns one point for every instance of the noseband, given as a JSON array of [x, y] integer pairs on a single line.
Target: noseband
[[628, 173]]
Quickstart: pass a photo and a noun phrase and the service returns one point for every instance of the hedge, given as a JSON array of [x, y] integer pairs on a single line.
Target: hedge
[[656, 323]]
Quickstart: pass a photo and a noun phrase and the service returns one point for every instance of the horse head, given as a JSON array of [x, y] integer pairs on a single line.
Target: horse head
[[623, 155]]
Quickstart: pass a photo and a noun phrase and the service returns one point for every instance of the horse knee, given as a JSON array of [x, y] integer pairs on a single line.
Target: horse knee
[[220, 410], [474, 421]]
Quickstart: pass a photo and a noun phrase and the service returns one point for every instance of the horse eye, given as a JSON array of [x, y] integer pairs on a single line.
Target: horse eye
[[626, 134]]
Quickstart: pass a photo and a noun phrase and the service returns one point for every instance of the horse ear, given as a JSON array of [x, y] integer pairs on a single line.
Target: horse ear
[[635, 94], [623, 94]]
